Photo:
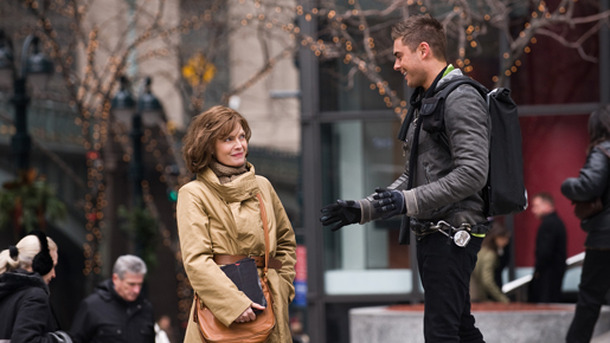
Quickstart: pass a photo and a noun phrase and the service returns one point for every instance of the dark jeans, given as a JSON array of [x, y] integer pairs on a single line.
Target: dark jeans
[[594, 284], [445, 271]]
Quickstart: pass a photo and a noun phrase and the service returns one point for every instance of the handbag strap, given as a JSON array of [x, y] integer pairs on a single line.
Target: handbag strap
[[260, 260], [266, 228]]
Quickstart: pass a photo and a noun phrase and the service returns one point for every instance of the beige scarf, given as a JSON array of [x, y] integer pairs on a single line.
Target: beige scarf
[[226, 173]]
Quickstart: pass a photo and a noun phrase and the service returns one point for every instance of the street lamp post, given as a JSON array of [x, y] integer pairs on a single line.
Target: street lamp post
[[147, 106], [34, 64], [137, 170], [129, 111], [21, 142]]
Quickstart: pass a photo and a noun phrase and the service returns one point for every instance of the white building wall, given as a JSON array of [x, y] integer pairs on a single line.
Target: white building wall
[[274, 120], [154, 57]]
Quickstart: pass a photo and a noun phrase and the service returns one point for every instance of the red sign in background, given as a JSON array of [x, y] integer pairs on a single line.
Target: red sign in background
[[300, 280]]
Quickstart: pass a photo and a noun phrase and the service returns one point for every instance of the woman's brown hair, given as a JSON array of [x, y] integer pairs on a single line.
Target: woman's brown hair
[[599, 126], [203, 132]]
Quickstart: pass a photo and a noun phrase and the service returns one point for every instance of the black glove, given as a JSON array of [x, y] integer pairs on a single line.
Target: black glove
[[389, 202], [341, 213]]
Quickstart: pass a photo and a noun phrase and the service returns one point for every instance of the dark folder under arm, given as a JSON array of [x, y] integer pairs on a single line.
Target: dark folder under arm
[[244, 275]]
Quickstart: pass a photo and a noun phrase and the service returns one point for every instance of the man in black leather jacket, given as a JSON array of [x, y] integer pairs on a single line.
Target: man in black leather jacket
[[440, 187], [116, 311]]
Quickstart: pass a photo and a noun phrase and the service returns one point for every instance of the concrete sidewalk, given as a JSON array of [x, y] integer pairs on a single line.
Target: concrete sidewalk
[[603, 338], [500, 323]]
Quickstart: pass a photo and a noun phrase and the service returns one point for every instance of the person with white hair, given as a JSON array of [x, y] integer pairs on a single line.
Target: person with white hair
[[25, 272], [117, 311]]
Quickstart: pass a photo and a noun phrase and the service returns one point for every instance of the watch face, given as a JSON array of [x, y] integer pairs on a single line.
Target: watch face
[[461, 238]]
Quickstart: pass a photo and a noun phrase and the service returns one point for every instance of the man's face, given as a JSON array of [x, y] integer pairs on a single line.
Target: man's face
[[408, 63], [129, 287], [541, 207]]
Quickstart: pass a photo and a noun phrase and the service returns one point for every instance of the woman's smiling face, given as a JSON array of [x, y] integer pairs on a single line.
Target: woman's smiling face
[[232, 150]]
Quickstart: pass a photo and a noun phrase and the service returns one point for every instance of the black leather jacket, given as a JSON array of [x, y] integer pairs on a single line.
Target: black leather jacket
[[592, 182]]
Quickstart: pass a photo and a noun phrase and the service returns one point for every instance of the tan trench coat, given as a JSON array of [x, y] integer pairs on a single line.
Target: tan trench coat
[[215, 218]]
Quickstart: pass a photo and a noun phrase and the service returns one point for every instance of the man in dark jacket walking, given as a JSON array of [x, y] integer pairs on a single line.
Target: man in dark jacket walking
[[116, 311], [550, 252]]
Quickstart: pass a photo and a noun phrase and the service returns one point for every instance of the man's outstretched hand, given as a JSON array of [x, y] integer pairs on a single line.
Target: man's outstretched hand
[[341, 213], [389, 202]]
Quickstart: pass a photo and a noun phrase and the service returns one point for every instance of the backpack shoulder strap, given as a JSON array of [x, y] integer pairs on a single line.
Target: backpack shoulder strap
[[441, 93], [449, 86]]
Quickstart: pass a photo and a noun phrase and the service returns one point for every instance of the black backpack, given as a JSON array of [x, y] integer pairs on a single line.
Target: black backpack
[[504, 193]]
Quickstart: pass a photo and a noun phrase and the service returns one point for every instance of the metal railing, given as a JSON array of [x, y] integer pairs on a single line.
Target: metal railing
[[518, 287]]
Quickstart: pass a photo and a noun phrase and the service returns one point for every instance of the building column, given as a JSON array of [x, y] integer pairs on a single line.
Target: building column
[[312, 186]]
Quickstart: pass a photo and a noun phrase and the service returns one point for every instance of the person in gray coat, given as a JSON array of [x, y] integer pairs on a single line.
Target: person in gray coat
[[592, 182], [440, 189]]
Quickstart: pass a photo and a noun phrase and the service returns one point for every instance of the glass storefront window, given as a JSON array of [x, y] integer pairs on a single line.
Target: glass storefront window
[[354, 92], [359, 156], [345, 86]]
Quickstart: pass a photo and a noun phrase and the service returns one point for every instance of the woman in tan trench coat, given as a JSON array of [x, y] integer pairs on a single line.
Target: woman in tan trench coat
[[218, 213]]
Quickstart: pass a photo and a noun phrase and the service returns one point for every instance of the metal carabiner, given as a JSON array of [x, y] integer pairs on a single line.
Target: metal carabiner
[[460, 236]]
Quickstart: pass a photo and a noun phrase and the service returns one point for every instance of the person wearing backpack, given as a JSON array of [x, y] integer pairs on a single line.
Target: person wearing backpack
[[591, 183], [440, 190]]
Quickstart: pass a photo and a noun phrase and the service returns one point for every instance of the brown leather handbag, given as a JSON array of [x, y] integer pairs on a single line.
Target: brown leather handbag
[[256, 331]]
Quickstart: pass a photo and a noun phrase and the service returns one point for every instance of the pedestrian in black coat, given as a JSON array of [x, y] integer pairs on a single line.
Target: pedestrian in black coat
[[25, 309], [116, 311], [592, 182], [550, 265]]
